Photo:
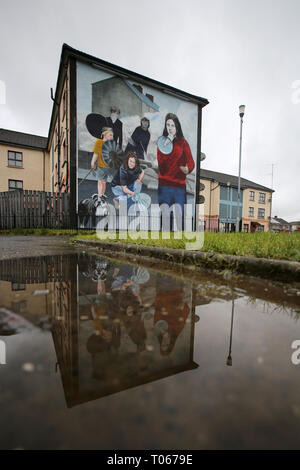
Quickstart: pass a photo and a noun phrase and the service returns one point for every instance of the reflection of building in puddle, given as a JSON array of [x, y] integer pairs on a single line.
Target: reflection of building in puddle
[[116, 326], [129, 327], [26, 291]]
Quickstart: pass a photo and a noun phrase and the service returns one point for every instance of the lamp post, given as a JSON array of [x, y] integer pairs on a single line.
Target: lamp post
[[228, 199], [241, 113]]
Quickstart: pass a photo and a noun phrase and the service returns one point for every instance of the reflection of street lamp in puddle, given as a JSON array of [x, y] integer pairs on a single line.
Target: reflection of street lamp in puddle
[[229, 358]]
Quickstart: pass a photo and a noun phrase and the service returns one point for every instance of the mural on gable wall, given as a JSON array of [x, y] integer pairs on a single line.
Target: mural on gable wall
[[134, 142]]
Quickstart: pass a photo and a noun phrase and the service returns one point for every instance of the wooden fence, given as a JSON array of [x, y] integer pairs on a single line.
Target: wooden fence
[[37, 270], [34, 209]]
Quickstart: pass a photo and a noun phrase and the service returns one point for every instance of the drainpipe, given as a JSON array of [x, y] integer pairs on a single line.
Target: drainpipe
[[67, 131], [58, 139], [43, 170], [270, 198], [211, 190], [209, 206]]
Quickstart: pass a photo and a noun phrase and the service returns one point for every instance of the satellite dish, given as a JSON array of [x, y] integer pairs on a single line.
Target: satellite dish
[[201, 199], [165, 145], [94, 123], [112, 155], [202, 157], [201, 187]]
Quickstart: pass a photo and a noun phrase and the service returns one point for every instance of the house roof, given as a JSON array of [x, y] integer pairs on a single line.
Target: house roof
[[274, 221], [295, 223], [20, 139], [224, 178], [281, 221]]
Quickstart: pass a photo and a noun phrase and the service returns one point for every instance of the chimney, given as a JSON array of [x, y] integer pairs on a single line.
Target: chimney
[[138, 87], [151, 98]]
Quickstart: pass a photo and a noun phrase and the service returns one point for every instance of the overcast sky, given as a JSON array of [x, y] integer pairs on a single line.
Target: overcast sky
[[231, 52]]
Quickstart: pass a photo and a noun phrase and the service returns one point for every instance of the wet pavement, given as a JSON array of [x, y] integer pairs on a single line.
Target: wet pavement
[[23, 246], [108, 355]]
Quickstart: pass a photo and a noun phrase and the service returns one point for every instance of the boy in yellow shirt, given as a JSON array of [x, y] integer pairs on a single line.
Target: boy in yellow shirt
[[103, 172]]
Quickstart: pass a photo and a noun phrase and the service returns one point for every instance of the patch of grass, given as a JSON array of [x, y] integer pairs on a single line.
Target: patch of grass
[[261, 245]]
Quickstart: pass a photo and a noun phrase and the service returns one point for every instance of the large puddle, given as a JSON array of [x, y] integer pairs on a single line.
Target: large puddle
[[107, 355]]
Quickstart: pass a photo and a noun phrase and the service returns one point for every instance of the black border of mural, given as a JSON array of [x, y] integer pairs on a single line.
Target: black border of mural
[[198, 167], [73, 143]]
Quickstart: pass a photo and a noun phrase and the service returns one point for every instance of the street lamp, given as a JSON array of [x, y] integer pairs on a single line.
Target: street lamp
[[241, 113], [228, 199]]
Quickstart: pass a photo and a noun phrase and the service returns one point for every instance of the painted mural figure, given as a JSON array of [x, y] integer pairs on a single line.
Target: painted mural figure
[[127, 182], [171, 312], [103, 172], [116, 125], [139, 140], [174, 166]]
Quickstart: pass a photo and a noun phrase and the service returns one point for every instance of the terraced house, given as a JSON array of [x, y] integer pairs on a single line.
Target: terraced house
[[24, 161]]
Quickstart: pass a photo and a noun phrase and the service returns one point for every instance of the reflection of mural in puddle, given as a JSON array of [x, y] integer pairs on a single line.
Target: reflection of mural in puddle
[[165, 342], [130, 328]]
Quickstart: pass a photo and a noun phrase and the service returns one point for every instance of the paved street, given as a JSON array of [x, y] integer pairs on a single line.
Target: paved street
[[24, 246]]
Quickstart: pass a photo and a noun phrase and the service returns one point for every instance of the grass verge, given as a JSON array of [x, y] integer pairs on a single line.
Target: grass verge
[[285, 246]]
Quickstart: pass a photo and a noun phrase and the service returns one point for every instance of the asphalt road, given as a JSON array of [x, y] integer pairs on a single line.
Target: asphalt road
[[22, 247]]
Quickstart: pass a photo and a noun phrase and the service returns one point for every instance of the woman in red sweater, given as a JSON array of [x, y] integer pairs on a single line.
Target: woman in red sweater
[[174, 167]]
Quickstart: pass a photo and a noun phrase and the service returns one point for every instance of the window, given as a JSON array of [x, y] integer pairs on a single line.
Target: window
[[260, 228], [235, 195], [15, 184], [261, 213], [262, 198], [17, 286], [252, 195], [251, 211], [15, 159], [19, 307], [246, 228], [225, 193]]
